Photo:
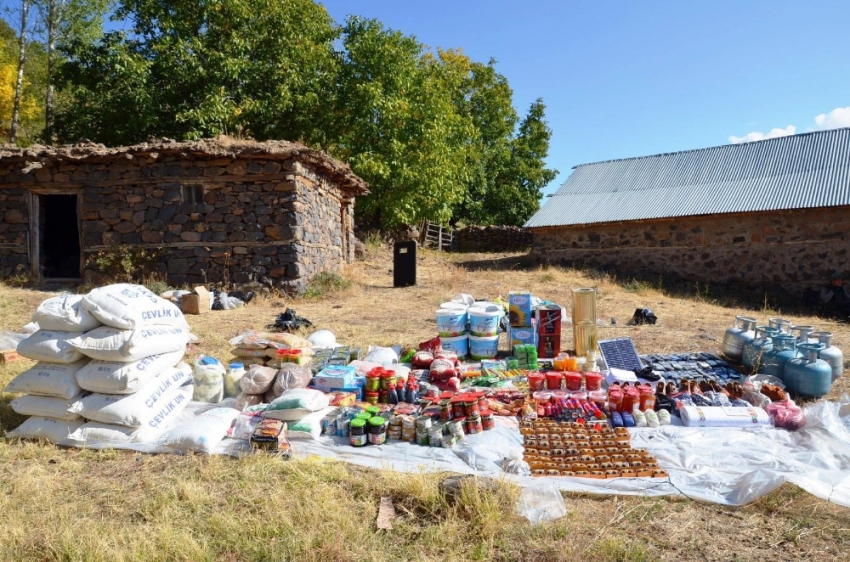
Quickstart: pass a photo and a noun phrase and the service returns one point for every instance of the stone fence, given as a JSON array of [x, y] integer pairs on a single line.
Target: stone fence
[[491, 239]]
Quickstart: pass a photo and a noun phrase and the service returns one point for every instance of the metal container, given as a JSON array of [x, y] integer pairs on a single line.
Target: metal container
[[808, 376], [781, 324], [802, 332], [737, 337], [830, 353], [755, 349], [784, 349], [585, 338], [584, 305]]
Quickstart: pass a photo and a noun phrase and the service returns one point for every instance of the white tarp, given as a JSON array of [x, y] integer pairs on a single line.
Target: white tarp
[[727, 466]]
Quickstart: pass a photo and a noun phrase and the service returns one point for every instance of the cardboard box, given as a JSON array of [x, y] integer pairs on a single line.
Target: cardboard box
[[9, 355], [523, 336], [197, 302], [519, 309], [335, 377]]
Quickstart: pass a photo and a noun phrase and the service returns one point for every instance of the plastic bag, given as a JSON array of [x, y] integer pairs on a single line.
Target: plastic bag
[[786, 414], [229, 303], [322, 339], [382, 355], [754, 397], [209, 380], [541, 503], [513, 464], [245, 400], [257, 380], [291, 376]]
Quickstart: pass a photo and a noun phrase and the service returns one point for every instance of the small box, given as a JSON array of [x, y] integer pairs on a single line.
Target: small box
[[356, 391], [8, 356], [197, 302], [523, 336], [519, 309], [335, 377]]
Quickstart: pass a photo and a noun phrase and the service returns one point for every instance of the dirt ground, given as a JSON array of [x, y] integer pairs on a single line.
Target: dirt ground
[[67, 504]]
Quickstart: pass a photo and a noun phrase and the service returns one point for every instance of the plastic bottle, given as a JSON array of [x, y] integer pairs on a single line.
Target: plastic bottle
[[392, 395], [232, 378], [652, 418], [664, 417], [640, 419]]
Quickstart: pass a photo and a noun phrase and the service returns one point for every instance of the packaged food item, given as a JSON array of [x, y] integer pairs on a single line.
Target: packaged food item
[[270, 435]]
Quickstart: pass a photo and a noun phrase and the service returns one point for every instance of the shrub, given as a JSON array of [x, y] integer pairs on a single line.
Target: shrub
[[325, 284]]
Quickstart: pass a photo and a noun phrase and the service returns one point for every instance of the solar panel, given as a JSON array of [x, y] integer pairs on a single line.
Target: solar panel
[[620, 353]]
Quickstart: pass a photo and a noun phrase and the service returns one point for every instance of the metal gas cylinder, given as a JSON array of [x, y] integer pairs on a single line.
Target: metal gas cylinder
[[830, 353], [781, 324], [808, 375], [802, 332], [737, 337], [784, 349], [755, 349]]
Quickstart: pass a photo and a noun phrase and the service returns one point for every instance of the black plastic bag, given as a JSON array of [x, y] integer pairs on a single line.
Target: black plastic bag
[[644, 316], [288, 321]]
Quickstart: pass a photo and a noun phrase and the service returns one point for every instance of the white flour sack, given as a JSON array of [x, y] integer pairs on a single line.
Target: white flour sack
[[96, 434], [126, 306], [124, 346], [135, 410], [53, 430], [50, 345], [45, 406], [113, 377], [65, 312], [48, 379], [202, 434]]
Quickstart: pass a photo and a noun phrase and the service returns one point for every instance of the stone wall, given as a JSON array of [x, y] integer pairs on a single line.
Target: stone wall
[[259, 220], [790, 249], [14, 225], [491, 239]]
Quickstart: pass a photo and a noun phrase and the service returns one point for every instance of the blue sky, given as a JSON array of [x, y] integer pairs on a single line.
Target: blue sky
[[630, 78]]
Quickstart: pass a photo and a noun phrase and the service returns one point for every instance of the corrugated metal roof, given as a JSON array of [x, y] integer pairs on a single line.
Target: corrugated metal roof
[[793, 172]]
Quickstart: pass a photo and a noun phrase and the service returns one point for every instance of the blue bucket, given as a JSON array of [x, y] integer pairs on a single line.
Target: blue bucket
[[451, 323], [459, 345]]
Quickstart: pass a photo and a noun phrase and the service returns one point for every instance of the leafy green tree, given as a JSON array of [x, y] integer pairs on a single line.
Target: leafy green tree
[[196, 69], [397, 126]]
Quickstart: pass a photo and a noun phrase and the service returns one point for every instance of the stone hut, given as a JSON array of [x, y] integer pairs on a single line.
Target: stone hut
[[274, 213], [771, 213]]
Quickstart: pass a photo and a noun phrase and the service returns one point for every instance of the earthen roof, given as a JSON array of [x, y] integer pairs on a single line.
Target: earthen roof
[[220, 147]]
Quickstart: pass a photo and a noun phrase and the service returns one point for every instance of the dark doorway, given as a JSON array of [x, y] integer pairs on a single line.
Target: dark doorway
[[59, 236]]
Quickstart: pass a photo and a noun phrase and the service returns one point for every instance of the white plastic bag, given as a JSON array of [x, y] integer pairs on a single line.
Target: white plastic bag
[[135, 410], [112, 377], [541, 503], [322, 339], [45, 406], [245, 424], [48, 379], [209, 380], [308, 427], [53, 430], [111, 344], [296, 404], [10, 340], [202, 434], [383, 355], [65, 312], [52, 346], [126, 306]]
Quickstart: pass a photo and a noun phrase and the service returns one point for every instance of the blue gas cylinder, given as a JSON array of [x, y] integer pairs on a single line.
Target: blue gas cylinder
[[784, 349], [809, 375], [755, 349]]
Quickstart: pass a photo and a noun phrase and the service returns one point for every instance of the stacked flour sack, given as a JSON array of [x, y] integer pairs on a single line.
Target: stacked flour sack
[[138, 384], [51, 388], [117, 378]]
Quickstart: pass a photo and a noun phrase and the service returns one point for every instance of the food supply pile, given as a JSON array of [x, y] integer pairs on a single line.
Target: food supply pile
[[112, 370]]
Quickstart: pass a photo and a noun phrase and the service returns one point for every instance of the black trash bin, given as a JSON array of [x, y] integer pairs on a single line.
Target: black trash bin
[[404, 264]]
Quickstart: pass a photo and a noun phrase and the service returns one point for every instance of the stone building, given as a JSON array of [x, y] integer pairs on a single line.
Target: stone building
[[767, 213], [275, 213]]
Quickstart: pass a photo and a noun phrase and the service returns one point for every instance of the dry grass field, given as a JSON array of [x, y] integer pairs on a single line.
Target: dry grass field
[[59, 504]]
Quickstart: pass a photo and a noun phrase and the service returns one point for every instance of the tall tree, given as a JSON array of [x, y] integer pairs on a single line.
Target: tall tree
[[20, 98], [19, 77], [397, 126], [205, 68], [66, 22]]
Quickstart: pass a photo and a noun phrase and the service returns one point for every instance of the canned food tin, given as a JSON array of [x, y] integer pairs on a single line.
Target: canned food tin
[[342, 426], [473, 425], [456, 427], [423, 422], [488, 421]]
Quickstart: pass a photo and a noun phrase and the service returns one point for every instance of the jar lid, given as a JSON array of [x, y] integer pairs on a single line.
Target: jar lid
[[281, 352], [237, 366], [363, 416], [376, 420], [295, 352], [374, 410], [358, 422]]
